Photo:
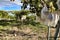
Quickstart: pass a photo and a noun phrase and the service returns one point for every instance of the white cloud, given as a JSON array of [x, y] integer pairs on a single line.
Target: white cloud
[[8, 5], [18, 3], [8, 2]]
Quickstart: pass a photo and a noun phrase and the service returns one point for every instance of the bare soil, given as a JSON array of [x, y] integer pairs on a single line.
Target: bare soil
[[25, 33]]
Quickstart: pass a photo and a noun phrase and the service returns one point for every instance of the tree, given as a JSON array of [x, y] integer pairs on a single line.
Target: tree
[[18, 14], [3, 14], [12, 0], [36, 5]]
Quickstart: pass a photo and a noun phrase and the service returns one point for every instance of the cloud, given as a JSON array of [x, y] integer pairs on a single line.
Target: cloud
[[6, 2], [8, 5], [18, 3]]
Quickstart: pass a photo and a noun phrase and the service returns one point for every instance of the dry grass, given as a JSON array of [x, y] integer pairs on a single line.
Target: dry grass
[[24, 32]]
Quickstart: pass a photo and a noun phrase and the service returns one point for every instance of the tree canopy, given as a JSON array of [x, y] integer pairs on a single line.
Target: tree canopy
[[38, 4]]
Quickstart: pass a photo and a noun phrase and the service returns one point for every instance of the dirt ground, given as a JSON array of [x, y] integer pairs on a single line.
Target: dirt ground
[[25, 33]]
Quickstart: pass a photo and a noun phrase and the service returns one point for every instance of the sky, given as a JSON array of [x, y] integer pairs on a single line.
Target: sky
[[8, 5]]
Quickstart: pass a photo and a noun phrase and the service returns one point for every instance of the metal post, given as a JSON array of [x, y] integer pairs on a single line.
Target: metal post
[[48, 33]]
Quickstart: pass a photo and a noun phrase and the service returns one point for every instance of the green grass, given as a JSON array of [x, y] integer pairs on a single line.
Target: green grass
[[32, 25], [35, 27]]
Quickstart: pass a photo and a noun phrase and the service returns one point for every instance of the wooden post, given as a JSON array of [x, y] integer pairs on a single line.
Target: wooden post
[[57, 30], [48, 33], [56, 34]]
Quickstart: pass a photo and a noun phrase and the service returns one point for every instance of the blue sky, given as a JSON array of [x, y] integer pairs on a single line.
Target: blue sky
[[8, 5]]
